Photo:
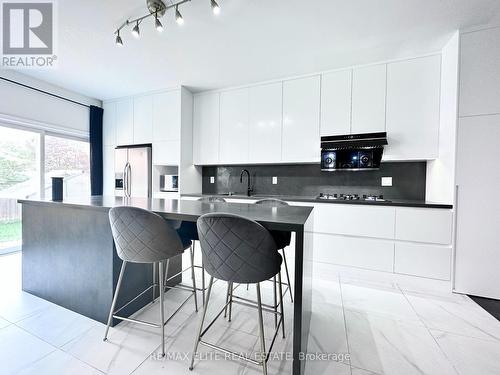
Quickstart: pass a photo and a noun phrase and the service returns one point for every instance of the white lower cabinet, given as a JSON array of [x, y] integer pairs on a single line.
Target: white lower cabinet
[[399, 240], [424, 225], [373, 254], [432, 261], [354, 220], [402, 240]]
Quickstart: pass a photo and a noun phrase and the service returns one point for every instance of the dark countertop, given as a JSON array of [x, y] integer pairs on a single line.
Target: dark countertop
[[311, 199], [287, 217]]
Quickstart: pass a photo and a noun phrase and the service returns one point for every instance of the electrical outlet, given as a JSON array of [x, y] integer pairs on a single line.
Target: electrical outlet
[[212, 179], [275, 180], [386, 181]]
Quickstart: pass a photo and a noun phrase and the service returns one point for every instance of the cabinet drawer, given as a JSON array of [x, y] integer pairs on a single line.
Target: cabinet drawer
[[423, 260], [354, 220], [424, 225], [166, 153], [366, 253]]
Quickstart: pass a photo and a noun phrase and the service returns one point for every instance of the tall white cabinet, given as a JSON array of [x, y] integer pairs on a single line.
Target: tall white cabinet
[[301, 120], [412, 117], [478, 212], [162, 119], [206, 128], [368, 99], [336, 94], [143, 119], [124, 124], [234, 132], [282, 122], [166, 128], [265, 105]]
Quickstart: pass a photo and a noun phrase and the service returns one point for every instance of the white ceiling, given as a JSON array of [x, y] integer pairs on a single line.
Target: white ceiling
[[250, 41]]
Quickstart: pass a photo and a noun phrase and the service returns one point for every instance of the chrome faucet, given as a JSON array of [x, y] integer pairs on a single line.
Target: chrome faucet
[[249, 188]]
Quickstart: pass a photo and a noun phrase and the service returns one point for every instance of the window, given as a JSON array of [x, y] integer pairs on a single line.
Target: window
[[68, 158], [19, 178], [28, 160]]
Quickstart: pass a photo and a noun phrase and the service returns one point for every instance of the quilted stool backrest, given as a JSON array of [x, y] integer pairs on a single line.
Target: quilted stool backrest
[[237, 249], [142, 236]]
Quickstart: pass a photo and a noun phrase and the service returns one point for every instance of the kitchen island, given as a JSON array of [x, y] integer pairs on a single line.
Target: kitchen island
[[69, 256]]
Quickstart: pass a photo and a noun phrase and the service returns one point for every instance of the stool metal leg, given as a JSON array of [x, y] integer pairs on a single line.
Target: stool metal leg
[[261, 332], [191, 253], [202, 274], [275, 303], [115, 298], [227, 299], [280, 286], [200, 328], [287, 276], [154, 280], [162, 312], [230, 301]]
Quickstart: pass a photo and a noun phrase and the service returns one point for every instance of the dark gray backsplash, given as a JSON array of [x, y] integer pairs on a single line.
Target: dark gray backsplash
[[408, 180]]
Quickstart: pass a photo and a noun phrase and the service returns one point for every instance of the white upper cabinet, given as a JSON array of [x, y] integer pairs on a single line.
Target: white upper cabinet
[[233, 147], [368, 99], [265, 121], [109, 124], [336, 103], [143, 119], [480, 73], [167, 128], [167, 116], [206, 117], [412, 118], [125, 122], [301, 120]]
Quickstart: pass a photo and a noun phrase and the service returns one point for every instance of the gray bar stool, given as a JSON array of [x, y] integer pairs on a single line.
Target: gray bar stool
[[238, 250], [188, 230], [281, 238], [142, 236]]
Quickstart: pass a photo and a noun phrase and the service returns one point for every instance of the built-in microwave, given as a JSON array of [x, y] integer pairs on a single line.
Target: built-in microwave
[[169, 182], [353, 152]]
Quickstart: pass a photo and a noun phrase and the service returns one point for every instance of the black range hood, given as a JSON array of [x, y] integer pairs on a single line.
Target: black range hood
[[353, 152]]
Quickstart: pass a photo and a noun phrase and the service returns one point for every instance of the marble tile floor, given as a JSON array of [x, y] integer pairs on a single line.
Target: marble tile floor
[[359, 328]]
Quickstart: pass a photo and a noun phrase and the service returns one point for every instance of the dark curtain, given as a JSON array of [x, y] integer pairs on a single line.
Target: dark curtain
[[96, 150]]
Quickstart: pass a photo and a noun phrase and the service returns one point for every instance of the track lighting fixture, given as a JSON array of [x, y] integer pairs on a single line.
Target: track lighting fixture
[[178, 16], [119, 41], [135, 31], [157, 9], [215, 7], [158, 24]]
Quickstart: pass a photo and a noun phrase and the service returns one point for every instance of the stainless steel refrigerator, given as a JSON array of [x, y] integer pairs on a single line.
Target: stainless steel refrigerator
[[133, 171]]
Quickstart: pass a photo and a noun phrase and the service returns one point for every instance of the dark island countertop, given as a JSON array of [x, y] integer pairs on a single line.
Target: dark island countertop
[[313, 199], [287, 217]]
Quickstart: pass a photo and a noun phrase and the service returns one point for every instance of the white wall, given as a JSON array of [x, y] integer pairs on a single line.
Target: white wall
[[23, 106], [441, 171]]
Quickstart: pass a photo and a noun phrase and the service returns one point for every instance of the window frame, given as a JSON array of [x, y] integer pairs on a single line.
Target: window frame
[[42, 133]]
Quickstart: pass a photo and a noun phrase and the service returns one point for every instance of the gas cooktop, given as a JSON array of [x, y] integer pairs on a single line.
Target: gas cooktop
[[352, 197]]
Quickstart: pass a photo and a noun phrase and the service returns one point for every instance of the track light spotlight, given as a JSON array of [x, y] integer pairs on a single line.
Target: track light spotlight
[[119, 41], [158, 24], [178, 16], [215, 7], [135, 31]]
